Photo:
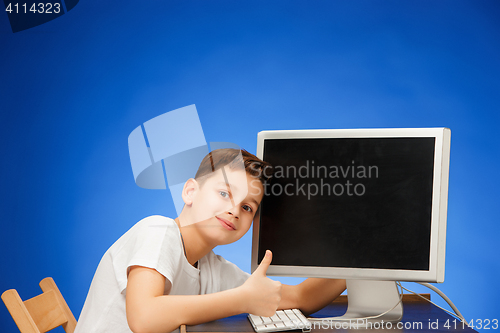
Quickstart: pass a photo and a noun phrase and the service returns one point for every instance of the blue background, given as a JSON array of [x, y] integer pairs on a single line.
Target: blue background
[[72, 90]]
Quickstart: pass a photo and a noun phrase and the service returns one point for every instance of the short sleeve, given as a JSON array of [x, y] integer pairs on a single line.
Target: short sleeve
[[218, 274], [153, 242], [231, 276]]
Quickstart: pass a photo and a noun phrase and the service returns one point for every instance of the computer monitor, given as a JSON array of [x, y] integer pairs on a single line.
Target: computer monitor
[[366, 205]]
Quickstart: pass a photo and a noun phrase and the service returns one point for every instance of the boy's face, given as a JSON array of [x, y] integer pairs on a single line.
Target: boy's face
[[224, 205]]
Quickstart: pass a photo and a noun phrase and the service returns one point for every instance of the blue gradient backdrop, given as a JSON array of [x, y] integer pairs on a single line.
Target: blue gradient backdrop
[[72, 90]]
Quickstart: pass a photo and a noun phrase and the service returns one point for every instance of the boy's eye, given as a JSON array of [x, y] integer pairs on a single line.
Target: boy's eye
[[224, 194], [247, 208]]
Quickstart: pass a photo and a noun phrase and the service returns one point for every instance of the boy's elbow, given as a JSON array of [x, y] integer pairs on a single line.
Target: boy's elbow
[[137, 325], [141, 323], [143, 327], [137, 329]]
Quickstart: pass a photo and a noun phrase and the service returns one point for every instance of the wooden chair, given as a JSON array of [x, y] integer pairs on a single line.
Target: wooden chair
[[40, 313]]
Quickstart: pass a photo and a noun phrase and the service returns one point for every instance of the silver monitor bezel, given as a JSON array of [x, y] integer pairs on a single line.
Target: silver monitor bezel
[[438, 214]]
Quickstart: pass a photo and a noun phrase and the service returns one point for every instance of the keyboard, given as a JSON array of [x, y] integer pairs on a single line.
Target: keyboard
[[283, 320]]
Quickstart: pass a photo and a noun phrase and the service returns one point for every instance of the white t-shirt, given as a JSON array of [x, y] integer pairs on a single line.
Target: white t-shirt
[[153, 242]]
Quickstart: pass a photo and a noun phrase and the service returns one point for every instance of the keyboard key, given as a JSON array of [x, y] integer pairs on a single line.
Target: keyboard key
[[256, 319], [293, 317], [300, 315], [260, 327], [280, 325], [275, 317]]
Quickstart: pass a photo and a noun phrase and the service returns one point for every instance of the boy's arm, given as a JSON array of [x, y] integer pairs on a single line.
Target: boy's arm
[[148, 310], [311, 295]]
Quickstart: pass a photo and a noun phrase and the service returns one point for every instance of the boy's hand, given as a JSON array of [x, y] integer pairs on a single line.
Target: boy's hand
[[261, 294]]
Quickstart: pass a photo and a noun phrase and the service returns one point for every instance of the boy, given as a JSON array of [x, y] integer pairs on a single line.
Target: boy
[[163, 273]]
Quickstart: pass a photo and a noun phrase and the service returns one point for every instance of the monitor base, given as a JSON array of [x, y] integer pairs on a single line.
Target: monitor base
[[367, 298]]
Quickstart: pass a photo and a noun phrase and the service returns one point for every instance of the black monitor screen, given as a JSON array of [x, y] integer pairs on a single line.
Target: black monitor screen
[[348, 202]]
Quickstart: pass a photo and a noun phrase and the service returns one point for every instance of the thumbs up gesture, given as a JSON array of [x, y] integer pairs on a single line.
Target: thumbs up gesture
[[263, 295]]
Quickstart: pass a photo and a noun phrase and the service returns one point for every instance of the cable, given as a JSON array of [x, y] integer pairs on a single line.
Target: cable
[[440, 293]]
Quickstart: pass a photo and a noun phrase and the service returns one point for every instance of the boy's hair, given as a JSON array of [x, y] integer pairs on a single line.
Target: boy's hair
[[219, 158]]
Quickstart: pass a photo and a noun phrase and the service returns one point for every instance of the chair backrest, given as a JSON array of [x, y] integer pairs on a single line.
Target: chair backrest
[[40, 313]]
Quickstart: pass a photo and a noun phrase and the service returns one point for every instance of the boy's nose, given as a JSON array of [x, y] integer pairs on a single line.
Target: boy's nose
[[233, 213]]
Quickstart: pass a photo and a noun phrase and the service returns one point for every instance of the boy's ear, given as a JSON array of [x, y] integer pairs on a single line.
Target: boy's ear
[[188, 191]]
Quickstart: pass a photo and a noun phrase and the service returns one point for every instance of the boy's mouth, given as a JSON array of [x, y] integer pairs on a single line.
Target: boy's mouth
[[226, 224]]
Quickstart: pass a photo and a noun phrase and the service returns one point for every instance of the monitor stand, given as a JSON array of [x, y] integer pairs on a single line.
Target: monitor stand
[[367, 298]]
